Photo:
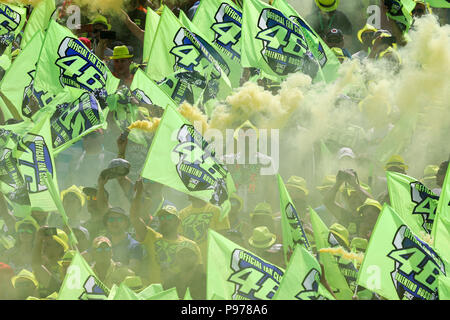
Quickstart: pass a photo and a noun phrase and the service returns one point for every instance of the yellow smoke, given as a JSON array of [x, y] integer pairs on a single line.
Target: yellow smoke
[[146, 125], [101, 6], [194, 115], [359, 257]]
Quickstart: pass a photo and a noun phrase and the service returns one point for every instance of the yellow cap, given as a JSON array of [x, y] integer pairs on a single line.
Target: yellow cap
[[395, 161], [121, 52], [24, 274], [298, 183], [370, 202], [340, 231], [262, 238], [262, 208], [366, 28], [77, 191], [62, 238], [99, 19], [327, 5], [430, 172]]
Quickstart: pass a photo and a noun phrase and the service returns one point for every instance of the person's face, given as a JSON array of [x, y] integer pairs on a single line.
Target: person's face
[[72, 205], [103, 253], [116, 223], [168, 223], [92, 205], [368, 220], [52, 249], [262, 220], [24, 289], [26, 234], [122, 66], [367, 38]]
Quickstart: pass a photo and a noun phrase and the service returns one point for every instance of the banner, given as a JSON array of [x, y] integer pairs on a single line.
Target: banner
[[336, 279], [72, 121], [444, 288], [441, 227], [302, 279], [413, 201], [18, 83], [235, 273], [125, 293], [180, 158], [81, 283], [12, 20], [39, 20], [439, 3], [65, 63], [292, 226], [327, 60], [177, 48], [273, 43], [220, 26], [146, 91], [151, 24], [397, 264]]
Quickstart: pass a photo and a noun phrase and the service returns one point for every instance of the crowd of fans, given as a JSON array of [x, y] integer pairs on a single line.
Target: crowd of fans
[[139, 231]]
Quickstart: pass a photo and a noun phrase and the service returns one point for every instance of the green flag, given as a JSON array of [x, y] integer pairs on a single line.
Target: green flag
[[207, 30], [39, 20], [327, 60], [401, 12], [150, 291], [235, 273], [146, 91], [439, 3], [273, 43], [65, 63], [397, 264], [151, 24], [302, 279], [441, 227], [292, 226], [18, 85], [170, 294], [12, 20], [444, 288], [81, 283], [413, 201], [176, 48], [180, 158], [187, 295], [125, 293], [326, 239]]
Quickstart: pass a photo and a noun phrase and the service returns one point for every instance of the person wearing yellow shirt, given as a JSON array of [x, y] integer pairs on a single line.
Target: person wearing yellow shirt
[[197, 218], [160, 246]]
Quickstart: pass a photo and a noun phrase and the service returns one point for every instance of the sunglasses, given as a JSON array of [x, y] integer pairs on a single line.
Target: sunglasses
[[167, 217], [104, 249], [112, 219], [25, 230]]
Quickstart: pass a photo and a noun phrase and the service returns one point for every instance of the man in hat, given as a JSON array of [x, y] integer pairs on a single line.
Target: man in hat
[[262, 215], [440, 177], [160, 246], [368, 215], [97, 210], [263, 243], [394, 164], [365, 36], [429, 176], [108, 271], [25, 284], [121, 65], [125, 249], [197, 218], [326, 17], [334, 38]]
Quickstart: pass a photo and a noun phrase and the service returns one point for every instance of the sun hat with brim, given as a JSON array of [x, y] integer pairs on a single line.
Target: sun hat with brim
[[359, 244], [297, 183], [430, 172], [121, 52], [62, 238], [29, 220], [262, 209], [346, 152], [370, 202], [327, 183], [340, 231], [262, 238], [327, 5], [99, 240], [75, 190], [99, 19], [366, 28], [24, 274], [396, 161], [170, 209]]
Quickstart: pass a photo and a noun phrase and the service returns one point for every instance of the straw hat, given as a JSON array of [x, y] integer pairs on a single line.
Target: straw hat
[[262, 238]]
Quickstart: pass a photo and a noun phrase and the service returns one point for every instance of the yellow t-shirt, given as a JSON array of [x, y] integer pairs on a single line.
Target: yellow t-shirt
[[196, 221], [161, 253]]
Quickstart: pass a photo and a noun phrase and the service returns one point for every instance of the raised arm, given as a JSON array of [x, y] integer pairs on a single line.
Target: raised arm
[[135, 209]]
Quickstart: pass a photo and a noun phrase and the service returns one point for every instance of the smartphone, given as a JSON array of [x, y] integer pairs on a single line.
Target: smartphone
[[51, 232], [388, 40], [108, 35]]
